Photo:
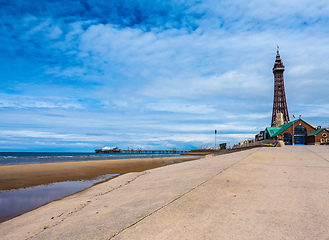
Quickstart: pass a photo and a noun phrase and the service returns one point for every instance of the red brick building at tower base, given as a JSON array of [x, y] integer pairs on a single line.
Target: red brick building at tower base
[[298, 132]]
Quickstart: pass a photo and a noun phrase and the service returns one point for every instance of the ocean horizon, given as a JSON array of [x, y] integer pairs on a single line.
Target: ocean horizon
[[17, 158]]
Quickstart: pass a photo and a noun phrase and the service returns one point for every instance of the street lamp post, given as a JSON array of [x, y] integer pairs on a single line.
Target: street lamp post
[[215, 138], [293, 131]]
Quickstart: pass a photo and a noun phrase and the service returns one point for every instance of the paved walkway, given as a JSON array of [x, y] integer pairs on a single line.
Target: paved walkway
[[265, 193]]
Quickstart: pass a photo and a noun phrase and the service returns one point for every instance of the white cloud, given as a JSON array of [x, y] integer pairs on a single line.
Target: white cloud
[[37, 102], [181, 107], [230, 84], [55, 32], [67, 72], [312, 110]]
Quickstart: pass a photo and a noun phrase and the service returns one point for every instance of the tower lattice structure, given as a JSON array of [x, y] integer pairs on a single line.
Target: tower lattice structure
[[279, 101]]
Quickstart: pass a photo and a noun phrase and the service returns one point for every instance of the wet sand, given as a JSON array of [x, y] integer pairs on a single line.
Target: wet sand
[[22, 176]]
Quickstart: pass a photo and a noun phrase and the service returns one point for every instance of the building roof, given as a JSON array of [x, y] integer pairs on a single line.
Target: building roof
[[275, 131], [316, 131]]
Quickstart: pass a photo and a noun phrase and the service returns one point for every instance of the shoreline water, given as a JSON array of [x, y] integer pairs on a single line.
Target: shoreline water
[[19, 201], [18, 158]]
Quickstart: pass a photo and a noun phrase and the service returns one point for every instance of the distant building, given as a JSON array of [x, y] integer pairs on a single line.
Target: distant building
[[260, 136]]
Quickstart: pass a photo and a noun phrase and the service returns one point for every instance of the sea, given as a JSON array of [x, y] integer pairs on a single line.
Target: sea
[[16, 202], [16, 158]]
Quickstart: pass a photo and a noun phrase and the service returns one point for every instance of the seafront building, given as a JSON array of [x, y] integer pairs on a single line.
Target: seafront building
[[291, 132], [298, 132]]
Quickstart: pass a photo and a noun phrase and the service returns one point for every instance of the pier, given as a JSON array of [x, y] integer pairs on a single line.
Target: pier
[[139, 151]]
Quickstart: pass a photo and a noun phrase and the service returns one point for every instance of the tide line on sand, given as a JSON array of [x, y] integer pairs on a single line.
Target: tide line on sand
[[29, 175]]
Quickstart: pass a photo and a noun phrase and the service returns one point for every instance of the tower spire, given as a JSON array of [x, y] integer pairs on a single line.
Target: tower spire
[[279, 100], [278, 58]]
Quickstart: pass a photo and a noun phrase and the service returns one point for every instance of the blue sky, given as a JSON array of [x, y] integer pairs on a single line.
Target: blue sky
[[79, 75]]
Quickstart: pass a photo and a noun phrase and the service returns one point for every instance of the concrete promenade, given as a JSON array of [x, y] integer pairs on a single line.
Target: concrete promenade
[[263, 193]]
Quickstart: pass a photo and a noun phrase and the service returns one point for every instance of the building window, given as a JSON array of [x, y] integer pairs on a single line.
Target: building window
[[321, 140], [300, 135], [300, 130], [287, 138], [324, 135]]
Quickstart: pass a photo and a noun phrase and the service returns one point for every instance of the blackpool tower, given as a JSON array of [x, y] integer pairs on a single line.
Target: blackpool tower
[[279, 101]]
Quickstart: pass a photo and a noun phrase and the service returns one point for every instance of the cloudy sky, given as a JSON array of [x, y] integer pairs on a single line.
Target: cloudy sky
[[83, 74]]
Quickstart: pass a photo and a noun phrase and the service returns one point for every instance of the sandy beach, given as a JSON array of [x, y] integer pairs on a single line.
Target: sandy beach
[[22, 176]]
